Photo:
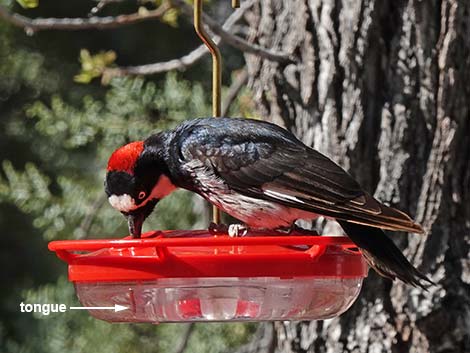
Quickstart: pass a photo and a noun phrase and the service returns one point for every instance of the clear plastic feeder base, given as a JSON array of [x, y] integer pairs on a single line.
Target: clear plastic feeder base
[[192, 276], [221, 299]]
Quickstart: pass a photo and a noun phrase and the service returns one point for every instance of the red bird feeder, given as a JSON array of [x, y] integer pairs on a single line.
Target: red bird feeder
[[176, 276]]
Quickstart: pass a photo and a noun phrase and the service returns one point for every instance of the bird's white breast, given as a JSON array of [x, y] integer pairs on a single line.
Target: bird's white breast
[[256, 213]]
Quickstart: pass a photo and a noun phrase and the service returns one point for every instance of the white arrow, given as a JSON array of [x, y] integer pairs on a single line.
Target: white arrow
[[116, 308]]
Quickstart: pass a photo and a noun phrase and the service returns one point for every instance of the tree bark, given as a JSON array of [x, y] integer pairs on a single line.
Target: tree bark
[[383, 88]]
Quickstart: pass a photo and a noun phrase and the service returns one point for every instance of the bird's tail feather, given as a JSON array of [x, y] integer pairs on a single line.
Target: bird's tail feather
[[383, 255]]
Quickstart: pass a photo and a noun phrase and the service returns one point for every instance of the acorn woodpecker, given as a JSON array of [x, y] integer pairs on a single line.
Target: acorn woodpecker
[[260, 174]]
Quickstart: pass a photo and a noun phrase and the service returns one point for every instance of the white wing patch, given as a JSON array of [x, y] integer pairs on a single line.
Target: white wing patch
[[280, 195], [123, 203]]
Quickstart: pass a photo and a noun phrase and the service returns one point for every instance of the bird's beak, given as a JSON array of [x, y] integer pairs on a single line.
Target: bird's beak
[[136, 219], [135, 222]]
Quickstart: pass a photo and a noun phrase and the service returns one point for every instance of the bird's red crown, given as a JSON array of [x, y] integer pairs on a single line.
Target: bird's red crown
[[125, 157]]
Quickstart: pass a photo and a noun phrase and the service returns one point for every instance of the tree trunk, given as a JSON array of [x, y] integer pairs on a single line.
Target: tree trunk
[[383, 88]]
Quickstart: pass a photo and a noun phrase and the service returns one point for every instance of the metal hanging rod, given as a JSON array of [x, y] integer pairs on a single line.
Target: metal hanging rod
[[216, 71]]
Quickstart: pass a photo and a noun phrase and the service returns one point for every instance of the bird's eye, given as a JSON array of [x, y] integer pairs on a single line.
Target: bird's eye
[[141, 195]]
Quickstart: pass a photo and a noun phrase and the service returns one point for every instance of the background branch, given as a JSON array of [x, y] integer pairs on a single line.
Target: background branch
[[73, 24], [234, 90], [222, 34], [233, 40], [183, 62], [183, 343], [87, 222], [155, 68], [101, 4]]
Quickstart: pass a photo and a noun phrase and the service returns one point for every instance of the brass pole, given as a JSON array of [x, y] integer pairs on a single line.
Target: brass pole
[[216, 75]]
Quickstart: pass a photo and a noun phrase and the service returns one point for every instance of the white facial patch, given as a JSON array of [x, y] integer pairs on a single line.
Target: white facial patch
[[123, 203]]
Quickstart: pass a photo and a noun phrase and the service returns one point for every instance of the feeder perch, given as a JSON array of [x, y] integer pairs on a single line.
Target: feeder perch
[[190, 276]]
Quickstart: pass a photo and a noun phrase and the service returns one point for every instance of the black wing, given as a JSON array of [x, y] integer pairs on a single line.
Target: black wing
[[262, 160]]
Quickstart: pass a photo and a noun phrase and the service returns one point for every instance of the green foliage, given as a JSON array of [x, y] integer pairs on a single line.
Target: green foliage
[[28, 4], [75, 331], [74, 143], [207, 338], [94, 65], [55, 139], [244, 105], [170, 17], [78, 140], [22, 68]]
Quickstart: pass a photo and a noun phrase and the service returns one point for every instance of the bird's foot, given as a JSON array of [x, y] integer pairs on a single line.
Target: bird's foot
[[237, 230], [217, 229], [233, 230], [297, 230]]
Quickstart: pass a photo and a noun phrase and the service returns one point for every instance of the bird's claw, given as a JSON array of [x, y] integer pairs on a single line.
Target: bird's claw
[[217, 229], [296, 229], [233, 230], [237, 230]]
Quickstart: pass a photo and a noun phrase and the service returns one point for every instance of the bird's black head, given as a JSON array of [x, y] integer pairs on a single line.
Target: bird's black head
[[137, 178]]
